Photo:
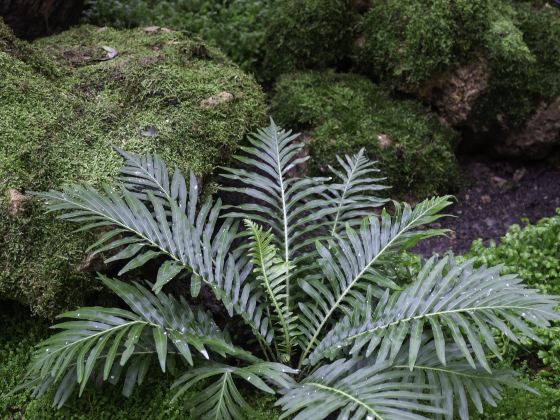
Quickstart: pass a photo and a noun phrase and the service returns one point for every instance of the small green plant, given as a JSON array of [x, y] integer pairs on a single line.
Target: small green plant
[[531, 251], [305, 268]]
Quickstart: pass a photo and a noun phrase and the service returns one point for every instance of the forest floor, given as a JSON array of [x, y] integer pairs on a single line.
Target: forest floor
[[496, 195]]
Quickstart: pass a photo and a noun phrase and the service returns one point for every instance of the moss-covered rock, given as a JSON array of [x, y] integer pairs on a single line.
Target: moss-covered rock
[[142, 90], [521, 88], [307, 34], [408, 41], [344, 112], [488, 65]]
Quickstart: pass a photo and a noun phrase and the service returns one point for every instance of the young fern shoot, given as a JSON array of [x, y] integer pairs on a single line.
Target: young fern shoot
[[306, 267]]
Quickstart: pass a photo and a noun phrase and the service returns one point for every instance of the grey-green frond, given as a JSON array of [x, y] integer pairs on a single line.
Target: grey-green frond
[[354, 193], [114, 343], [454, 303], [355, 261]]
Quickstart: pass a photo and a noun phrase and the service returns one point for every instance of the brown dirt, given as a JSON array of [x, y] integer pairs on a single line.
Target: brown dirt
[[498, 194]]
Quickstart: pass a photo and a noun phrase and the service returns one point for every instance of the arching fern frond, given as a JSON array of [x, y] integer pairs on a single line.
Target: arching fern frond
[[458, 383], [222, 400], [352, 193], [272, 272], [102, 341], [200, 243], [351, 389], [352, 263], [446, 300], [148, 173]]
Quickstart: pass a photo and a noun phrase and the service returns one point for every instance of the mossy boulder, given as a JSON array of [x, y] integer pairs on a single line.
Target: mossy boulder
[[65, 100], [489, 66], [307, 34], [521, 104], [407, 41], [342, 113]]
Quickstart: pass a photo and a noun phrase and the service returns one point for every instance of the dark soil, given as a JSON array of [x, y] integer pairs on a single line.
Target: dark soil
[[497, 194]]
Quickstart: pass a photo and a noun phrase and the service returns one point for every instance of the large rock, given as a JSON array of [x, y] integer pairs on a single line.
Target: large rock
[[539, 137], [65, 100], [490, 67], [342, 113]]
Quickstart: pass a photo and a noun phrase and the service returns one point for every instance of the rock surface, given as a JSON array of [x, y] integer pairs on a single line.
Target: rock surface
[[539, 137]]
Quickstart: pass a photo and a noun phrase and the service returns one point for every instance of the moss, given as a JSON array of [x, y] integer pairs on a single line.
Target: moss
[[344, 112], [59, 130], [532, 252], [408, 41], [519, 404], [19, 332], [236, 27], [517, 86], [307, 34]]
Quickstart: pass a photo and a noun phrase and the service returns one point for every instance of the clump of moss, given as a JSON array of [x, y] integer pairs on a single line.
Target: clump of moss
[[152, 96], [408, 41], [518, 86], [311, 34], [236, 27], [344, 112]]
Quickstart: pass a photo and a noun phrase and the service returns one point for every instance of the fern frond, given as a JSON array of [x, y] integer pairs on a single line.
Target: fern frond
[[352, 263], [104, 340], [352, 194], [192, 240], [458, 382], [222, 400], [143, 173], [272, 272], [356, 390], [446, 300], [287, 205]]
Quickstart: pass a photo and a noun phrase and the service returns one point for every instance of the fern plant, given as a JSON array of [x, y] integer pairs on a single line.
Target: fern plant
[[307, 267]]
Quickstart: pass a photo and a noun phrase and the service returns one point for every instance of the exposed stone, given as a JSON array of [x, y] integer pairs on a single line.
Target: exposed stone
[[92, 263], [519, 174], [16, 201], [485, 199], [217, 99], [454, 92], [156, 29], [384, 141], [498, 181], [538, 137]]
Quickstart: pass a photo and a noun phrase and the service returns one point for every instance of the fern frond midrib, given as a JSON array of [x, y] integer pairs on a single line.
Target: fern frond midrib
[[284, 218], [101, 333], [347, 396], [443, 313], [342, 197]]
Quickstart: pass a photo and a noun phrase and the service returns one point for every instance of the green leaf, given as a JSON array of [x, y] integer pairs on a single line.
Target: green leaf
[[168, 270], [160, 339]]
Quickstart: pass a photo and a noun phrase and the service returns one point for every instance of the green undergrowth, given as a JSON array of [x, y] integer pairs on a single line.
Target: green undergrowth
[[19, 332], [342, 113], [533, 252]]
